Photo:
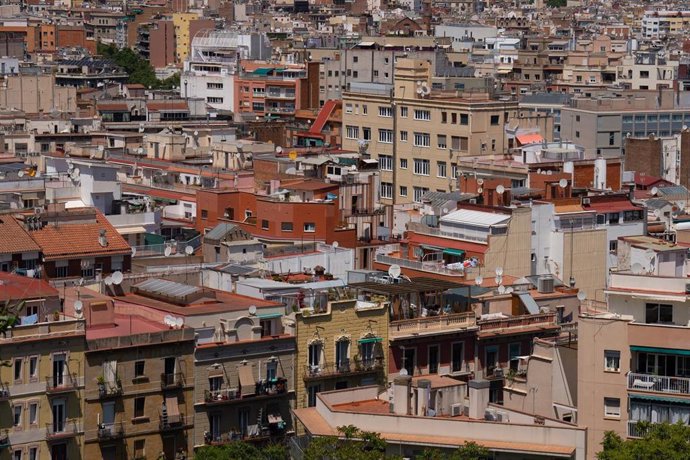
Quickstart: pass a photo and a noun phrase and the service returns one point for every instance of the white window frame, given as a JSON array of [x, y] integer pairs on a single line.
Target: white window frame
[[386, 190], [611, 409], [441, 169], [385, 136], [352, 132], [385, 162], [422, 114], [612, 360], [385, 111], [422, 140], [422, 167]]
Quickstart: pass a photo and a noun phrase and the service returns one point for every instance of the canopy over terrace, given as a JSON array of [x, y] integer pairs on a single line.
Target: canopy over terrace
[[419, 297]]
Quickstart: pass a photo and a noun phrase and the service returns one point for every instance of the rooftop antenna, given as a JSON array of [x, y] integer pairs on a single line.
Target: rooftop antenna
[[394, 271]]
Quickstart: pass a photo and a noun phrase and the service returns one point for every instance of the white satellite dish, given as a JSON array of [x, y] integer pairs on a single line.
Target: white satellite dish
[[501, 289], [78, 306], [279, 150], [168, 320], [81, 281], [563, 183], [394, 271], [500, 189], [499, 271], [654, 191], [117, 277], [480, 181], [480, 190], [76, 172], [637, 268], [108, 280], [20, 174], [509, 290], [581, 296], [478, 281], [252, 310], [335, 245], [403, 371], [179, 322], [657, 213], [167, 252], [189, 250]]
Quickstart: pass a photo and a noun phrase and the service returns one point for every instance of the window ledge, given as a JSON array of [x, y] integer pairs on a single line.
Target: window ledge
[[142, 419]]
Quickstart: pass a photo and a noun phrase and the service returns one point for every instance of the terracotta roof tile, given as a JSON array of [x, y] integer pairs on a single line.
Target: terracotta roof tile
[[16, 287], [71, 240], [15, 239]]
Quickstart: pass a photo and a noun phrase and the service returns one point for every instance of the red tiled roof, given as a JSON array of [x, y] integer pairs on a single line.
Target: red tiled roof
[[71, 240], [16, 287], [166, 106], [531, 138], [113, 107], [612, 205], [15, 239]]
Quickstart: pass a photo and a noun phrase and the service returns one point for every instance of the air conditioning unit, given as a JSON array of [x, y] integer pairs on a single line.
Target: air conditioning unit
[[490, 415], [498, 372], [502, 416], [456, 410], [586, 201], [545, 284], [687, 288]]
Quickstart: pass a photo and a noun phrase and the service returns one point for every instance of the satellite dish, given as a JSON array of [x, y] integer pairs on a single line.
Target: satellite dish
[[279, 150], [168, 251], [403, 371], [478, 281], [168, 320], [81, 281], [501, 289], [499, 271], [581, 296], [134, 251], [394, 271], [657, 213], [480, 190], [189, 250], [509, 290], [252, 310], [637, 268], [108, 280], [76, 172], [500, 189], [538, 171], [78, 306], [650, 254], [117, 277], [335, 245], [654, 191], [499, 280], [444, 210], [480, 181], [20, 174], [563, 183], [179, 322]]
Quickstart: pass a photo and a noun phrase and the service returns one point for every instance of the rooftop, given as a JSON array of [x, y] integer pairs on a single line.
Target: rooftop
[[16, 288], [15, 239]]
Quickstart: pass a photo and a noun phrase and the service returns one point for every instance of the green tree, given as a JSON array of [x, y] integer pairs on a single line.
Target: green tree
[[556, 3], [663, 440], [240, 450], [468, 451], [139, 69], [354, 445]]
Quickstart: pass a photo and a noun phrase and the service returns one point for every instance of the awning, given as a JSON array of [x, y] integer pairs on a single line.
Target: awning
[[660, 398], [371, 340], [173, 410], [454, 252], [262, 71], [270, 315], [531, 138], [247, 383], [274, 418], [134, 229], [432, 248], [529, 303], [667, 351]]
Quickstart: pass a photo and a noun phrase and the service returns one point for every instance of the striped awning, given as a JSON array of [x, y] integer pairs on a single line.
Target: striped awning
[[371, 340], [247, 383], [666, 351]]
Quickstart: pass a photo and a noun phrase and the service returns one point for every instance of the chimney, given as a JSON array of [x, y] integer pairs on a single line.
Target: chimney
[[102, 240], [423, 395], [479, 398], [401, 394]]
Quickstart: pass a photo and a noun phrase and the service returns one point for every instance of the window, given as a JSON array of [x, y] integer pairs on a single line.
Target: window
[[444, 117], [612, 360], [17, 412], [139, 367], [139, 403], [403, 190], [348, 108], [403, 136], [365, 109], [366, 134], [424, 115], [386, 190], [355, 74], [386, 136], [355, 58], [210, 85], [658, 313], [422, 140], [434, 357], [441, 141], [459, 143], [214, 100], [612, 138], [454, 118], [204, 214], [17, 455], [309, 227], [18, 369], [421, 167], [514, 355], [577, 134], [286, 226], [311, 394], [342, 355], [614, 218], [385, 111], [612, 407], [266, 327], [441, 170], [140, 448], [644, 73], [495, 119], [453, 170], [315, 354], [33, 453], [385, 162], [613, 246], [403, 111], [264, 224], [33, 367], [403, 163], [457, 357], [465, 119], [419, 193], [33, 413], [352, 132]]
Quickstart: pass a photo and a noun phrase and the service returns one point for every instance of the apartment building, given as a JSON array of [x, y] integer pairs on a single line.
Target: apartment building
[[664, 23], [647, 71], [632, 361], [419, 137], [41, 407], [341, 342], [138, 396]]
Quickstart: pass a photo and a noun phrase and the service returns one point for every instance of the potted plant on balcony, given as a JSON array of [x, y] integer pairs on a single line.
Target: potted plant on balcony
[[101, 385]]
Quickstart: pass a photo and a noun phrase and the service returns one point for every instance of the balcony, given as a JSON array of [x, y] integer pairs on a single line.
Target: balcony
[[279, 95], [111, 431], [4, 440], [517, 325], [109, 390], [284, 109], [637, 429], [430, 267], [658, 384], [4, 392], [346, 368], [57, 431], [172, 381], [231, 395], [431, 325], [171, 423], [58, 384]]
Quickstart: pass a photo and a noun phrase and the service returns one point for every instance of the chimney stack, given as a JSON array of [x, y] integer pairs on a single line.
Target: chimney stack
[[479, 398], [401, 394]]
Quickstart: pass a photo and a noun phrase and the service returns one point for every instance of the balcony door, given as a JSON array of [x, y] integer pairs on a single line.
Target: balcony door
[[59, 365], [59, 415], [410, 360], [109, 414]]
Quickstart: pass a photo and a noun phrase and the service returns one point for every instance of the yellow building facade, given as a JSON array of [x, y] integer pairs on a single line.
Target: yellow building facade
[[182, 39]]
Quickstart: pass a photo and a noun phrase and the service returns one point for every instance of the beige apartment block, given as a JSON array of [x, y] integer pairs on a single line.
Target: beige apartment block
[[341, 343], [36, 94], [418, 134]]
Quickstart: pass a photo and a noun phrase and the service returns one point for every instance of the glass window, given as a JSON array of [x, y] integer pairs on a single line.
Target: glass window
[[286, 226], [612, 407], [612, 360], [386, 190], [309, 227], [386, 162], [139, 404], [421, 167], [139, 367], [658, 313], [457, 357]]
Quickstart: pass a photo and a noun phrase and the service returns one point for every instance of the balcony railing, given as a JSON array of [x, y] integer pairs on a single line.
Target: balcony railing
[[170, 381], [228, 395], [637, 429], [4, 392], [658, 383], [346, 367], [110, 431], [61, 430], [432, 267], [516, 322], [4, 440], [109, 390], [61, 383], [432, 324], [171, 423]]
